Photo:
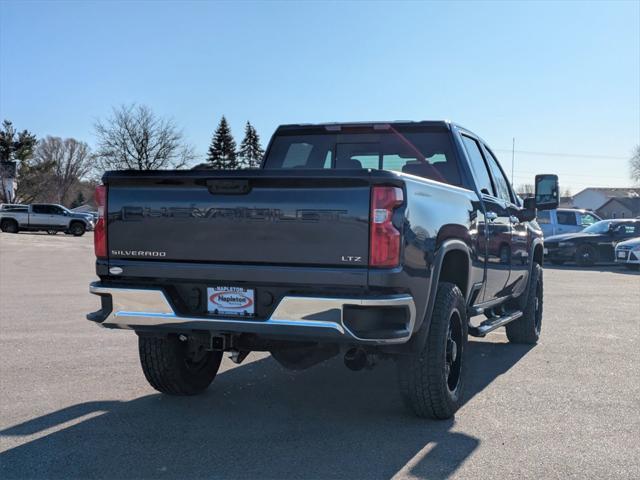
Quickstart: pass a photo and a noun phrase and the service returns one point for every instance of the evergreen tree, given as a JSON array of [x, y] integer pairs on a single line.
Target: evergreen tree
[[78, 201], [250, 153], [222, 152], [33, 177]]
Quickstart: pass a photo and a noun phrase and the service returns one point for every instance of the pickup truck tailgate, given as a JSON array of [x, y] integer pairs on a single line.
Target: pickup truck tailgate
[[247, 217]]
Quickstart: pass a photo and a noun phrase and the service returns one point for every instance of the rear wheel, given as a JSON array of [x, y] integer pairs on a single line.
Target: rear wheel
[[9, 226], [527, 328], [170, 367], [77, 229], [586, 256], [432, 380], [52, 232]]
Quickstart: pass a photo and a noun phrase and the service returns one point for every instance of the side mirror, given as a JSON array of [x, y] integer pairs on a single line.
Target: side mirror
[[528, 210], [547, 196]]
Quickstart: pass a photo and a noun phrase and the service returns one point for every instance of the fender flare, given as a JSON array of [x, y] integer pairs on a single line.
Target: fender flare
[[419, 337], [534, 245]]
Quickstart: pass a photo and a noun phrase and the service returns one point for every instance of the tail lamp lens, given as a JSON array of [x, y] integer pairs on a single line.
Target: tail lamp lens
[[384, 245], [100, 230]]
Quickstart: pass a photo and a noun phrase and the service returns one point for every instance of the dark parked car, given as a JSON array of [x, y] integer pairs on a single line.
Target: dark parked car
[[377, 240], [593, 244]]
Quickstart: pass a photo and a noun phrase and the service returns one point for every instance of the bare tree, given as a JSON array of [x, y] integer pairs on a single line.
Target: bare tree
[[134, 138], [526, 190], [36, 185], [71, 161], [634, 164]]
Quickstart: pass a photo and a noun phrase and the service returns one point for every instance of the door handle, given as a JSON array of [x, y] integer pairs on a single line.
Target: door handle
[[491, 216]]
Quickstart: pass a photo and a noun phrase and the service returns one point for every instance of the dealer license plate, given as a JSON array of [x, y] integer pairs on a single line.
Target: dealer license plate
[[231, 301]]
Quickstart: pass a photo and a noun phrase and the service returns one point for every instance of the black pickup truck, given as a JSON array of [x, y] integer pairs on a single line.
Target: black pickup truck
[[377, 240]]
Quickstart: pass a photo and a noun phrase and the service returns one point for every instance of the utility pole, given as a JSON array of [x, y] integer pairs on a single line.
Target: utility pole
[[513, 157]]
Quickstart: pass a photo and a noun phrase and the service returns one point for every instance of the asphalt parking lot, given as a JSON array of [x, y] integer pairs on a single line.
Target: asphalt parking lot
[[74, 402]]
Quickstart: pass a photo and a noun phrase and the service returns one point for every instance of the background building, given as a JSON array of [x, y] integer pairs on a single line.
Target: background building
[[620, 207], [593, 198]]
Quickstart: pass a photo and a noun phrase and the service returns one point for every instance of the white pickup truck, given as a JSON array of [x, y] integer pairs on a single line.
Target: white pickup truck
[[45, 217]]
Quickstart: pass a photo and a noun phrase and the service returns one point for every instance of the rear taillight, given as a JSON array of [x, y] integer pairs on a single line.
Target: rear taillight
[[100, 230], [384, 246]]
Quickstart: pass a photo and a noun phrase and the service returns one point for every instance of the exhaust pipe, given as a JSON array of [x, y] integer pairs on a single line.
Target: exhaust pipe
[[356, 359]]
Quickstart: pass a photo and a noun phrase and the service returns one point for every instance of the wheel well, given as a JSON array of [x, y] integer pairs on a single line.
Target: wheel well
[[76, 221], [9, 220], [455, 269], [538, 257]]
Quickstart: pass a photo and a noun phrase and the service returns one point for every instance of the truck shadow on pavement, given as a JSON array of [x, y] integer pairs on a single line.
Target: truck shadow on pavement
[[258, 421]]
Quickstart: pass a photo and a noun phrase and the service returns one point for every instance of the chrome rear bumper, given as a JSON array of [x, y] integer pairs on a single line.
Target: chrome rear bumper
[[294, 316]]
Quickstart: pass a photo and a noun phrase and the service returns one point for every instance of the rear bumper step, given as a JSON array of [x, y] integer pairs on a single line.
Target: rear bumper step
[[295, 316]]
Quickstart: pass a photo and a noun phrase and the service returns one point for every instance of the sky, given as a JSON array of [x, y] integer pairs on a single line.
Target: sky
[[562, 78]]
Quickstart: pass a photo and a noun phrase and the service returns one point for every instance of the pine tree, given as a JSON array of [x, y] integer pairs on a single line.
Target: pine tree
[[78, 201], [250, 153], [222, 152]]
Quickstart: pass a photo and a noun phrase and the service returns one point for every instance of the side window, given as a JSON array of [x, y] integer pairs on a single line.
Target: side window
[[478, 166], [544, 217], [366, 161], [42, 209], [297, 155], [55, 210], [587, 219], [502, 185], [328, 159], [566, 218], [627, 228]]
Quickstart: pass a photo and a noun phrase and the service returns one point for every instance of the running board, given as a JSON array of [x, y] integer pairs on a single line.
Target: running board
[[492, 323]]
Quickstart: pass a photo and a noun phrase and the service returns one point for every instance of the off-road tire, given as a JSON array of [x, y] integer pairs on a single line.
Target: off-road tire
[[9, 226], [526, 329], [426, 388], [167, 368], [52, 232], [586, 255], [77, 229]]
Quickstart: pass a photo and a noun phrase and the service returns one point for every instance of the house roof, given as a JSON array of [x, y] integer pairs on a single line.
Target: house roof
[[613, 192], [633, 204]]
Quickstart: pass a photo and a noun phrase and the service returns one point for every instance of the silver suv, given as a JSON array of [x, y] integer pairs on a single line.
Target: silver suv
[[565, 220]]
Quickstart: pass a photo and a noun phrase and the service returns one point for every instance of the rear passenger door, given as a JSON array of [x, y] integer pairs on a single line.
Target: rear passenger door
[[39, 216], [494, 228], [520, 238], [567, 222]]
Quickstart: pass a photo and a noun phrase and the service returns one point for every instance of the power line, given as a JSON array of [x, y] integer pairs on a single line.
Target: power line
[[571, 155], [572, 174]]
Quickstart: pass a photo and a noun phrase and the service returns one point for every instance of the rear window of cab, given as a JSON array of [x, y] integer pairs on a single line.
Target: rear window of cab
[[427, 154]]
